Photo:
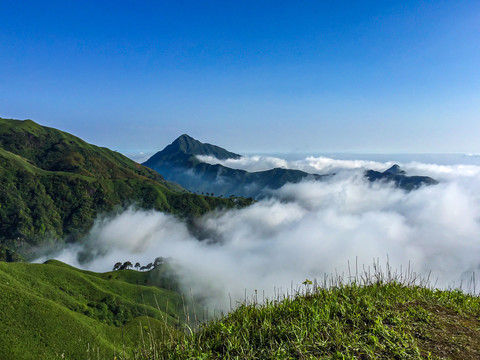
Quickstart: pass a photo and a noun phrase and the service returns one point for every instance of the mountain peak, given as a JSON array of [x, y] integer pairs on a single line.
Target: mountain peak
[[190, 146], [183, 149], [186, 144], [185, 137], [395, 170]]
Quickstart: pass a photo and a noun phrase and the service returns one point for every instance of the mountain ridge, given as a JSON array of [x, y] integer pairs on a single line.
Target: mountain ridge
[[180, 164], [186, 169]]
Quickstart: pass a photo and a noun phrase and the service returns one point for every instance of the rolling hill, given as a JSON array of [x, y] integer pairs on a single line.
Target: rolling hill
[[55, 311]]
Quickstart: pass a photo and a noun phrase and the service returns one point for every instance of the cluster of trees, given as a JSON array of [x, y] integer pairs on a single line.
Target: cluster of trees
[[207, 193], [127, 264]]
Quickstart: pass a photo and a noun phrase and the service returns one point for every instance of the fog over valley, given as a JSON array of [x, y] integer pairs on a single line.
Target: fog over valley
[[304, 231]]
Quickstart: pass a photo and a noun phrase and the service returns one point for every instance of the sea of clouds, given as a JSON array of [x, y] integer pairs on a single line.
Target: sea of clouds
[[306, 230]]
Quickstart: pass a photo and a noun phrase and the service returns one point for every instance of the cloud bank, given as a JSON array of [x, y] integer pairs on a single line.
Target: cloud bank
[[327, 165], [306, 230], [310, 164]]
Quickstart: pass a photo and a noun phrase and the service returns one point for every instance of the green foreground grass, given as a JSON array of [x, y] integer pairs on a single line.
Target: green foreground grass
[[54, 311], [369, 320]]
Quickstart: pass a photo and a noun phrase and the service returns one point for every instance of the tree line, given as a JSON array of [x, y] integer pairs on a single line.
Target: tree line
[[128, 264]]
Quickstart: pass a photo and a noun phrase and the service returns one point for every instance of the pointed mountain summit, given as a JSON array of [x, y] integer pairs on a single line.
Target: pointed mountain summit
[[395, 170], [178, 162], [53, 185], [191, 146], [183, 151]]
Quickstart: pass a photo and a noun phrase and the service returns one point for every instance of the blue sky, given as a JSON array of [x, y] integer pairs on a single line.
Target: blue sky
[[252, 76]]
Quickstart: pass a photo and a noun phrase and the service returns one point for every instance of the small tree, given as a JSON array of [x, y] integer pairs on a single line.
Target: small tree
[[137, 265], [117, 266], [126, 265]]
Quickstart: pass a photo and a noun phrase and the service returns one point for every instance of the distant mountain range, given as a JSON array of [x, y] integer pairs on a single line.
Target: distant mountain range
[[178, 162], [53, 185]]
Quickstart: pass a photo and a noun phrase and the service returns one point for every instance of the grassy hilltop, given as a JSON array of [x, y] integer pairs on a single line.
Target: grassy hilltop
[[53, 185], [374, 321]]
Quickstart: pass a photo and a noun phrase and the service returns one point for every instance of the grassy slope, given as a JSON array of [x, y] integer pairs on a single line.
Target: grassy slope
[[55, 150], [52, 309], [374, 321], [53, 185]]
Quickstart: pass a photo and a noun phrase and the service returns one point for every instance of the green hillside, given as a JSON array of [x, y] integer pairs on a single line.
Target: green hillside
[[53, 185], [379, 320], [55, 150], [52, 309]]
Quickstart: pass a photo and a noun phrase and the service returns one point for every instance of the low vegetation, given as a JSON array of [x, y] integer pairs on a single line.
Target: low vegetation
[[53, 310], [376, 318]]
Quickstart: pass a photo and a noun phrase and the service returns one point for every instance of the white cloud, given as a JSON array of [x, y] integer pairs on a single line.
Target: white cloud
[[307, 230], [309, 164], [248, 163]]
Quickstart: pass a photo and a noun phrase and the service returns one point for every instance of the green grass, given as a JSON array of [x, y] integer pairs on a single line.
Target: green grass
[[52, 309], [380, 319]]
